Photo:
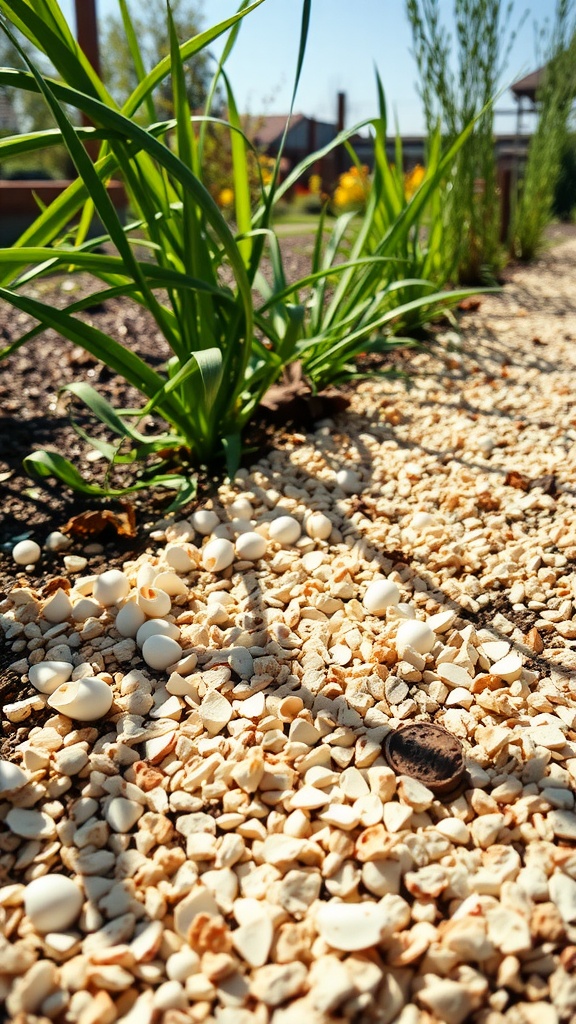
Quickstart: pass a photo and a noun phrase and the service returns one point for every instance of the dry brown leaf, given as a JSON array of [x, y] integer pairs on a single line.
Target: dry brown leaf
[[470, 304], [59, 583], [91, 524], [518, 480]]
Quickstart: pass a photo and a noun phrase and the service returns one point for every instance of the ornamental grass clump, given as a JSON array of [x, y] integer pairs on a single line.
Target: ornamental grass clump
[[195, 268], [539, 178]]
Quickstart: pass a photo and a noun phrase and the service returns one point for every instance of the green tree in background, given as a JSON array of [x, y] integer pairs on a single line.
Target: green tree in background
[[150, 24], [454, 98]]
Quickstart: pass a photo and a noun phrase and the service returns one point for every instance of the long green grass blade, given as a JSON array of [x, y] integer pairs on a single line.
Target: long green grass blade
[[241, 175]]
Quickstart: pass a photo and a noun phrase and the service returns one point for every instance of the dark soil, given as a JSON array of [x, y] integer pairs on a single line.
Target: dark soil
[[35, 413]]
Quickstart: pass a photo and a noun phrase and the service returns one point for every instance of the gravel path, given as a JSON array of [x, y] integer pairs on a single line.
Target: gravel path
[[230, 843]]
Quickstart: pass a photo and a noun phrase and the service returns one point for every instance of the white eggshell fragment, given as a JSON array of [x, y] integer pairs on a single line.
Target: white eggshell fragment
[[26, 552], [86, 608], [285, 530], [406, 611], [58, 607], [380, 594], [153, 602], [110, 587], [47, 676], [318, 526], [218, 554], [161, 651], [146, 575], [84, 700], [251, 546], [12, 777], [52, 903], [157, 627], [177, 556], [171, 584], [129, 619], [349, 481], [351, 926], [416, 634], [204, 521]]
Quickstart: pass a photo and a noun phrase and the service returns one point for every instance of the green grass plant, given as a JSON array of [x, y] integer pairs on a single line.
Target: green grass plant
[[197, 274], [534, 206], [458, 84]]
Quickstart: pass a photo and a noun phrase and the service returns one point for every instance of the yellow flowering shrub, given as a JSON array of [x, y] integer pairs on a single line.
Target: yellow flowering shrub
[[413, 179], [225, 197], [352, 189]]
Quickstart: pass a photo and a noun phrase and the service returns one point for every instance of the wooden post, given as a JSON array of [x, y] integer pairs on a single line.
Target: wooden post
[[87, 39], [87, 31]]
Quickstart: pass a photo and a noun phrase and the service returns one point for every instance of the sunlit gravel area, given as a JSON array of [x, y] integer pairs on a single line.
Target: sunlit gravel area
[[198, 819]]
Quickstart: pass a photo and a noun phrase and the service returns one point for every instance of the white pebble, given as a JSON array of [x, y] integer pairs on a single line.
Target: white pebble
[[129, 619], [218, 554], [157, 627], [416, 634], [52, 903], [182, 963], [122, 814], [241, 509], [75, 563], [251, 546], [110, 586], [379, 595], [285, 530], [26, 552], [318, 526], [12, 777], [204, 521], [508, 668], [241, 662], [86, 608], [161, 651], [82, 699], [178, 557], [486, 443], [349, 481], [421, 520], [215, 712], [57, 541], [351, 926]]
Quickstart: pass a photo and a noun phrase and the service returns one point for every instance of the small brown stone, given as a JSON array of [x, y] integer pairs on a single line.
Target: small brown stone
[[533, 640], [546, 923]]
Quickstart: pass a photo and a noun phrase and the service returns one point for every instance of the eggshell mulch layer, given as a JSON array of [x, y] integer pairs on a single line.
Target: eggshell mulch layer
[[228, 843]]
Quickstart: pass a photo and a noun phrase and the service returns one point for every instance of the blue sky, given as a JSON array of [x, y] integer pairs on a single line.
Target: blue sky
[[347, 39]]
